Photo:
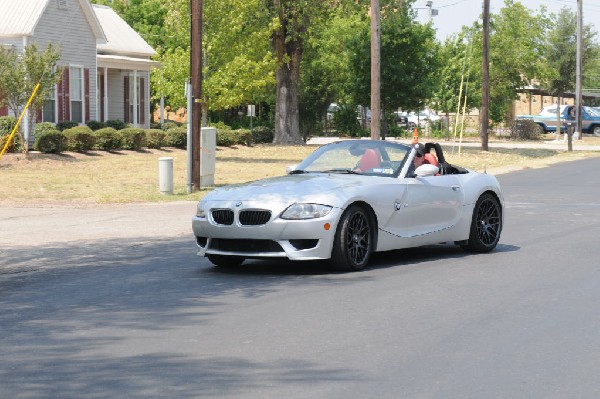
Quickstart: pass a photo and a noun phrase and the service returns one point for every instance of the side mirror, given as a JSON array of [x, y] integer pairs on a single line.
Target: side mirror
[[290, 168], [426, 170]]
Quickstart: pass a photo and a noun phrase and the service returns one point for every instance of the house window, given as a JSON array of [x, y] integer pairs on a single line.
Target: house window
[[134, 101], [49, 108], [76, 94], [62, 4]]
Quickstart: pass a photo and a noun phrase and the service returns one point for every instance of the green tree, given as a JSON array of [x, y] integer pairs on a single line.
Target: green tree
[[409, 61], [19, 76], [238, 62], [517, 36], [561, 55], [147, 17], [325, 68], [456, 66], [516, 54], [293, 19]]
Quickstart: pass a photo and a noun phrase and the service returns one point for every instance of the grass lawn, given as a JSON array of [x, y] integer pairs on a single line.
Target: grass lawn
[[128, 176]]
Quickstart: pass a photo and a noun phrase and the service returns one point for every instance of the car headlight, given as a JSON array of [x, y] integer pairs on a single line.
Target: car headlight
[[200, 211], [306, 211]]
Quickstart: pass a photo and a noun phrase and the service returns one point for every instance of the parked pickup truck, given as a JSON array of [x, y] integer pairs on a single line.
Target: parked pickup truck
[[547, 118]]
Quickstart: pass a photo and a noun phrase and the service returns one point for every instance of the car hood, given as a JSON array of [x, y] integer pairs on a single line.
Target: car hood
[[327, 188]]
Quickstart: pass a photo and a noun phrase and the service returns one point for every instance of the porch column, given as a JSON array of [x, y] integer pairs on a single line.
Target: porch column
[[136, 105], [105, 99]]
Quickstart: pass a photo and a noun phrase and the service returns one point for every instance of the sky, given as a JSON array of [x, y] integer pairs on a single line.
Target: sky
[[453, 14]]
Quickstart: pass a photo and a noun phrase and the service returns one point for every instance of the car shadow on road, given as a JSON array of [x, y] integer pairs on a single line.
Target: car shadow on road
[[438, 252], [67, 307]]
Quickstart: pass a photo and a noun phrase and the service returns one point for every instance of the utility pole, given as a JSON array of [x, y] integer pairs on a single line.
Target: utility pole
[[375, 72], [484, 114], [196, 80], [578, 72]]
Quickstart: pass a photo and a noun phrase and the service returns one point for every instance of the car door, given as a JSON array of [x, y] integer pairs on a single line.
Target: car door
[[430, 204]]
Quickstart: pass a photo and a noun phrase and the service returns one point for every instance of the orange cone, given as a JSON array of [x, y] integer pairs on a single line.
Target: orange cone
[[415, 136]]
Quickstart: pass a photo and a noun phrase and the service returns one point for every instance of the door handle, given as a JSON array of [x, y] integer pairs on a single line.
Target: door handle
[[455, 188]]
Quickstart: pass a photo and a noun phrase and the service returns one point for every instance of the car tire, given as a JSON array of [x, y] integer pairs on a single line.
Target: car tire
[[539, 129], [412, 125], [486, 225], [596, 130], [354, 240], [225, 260]]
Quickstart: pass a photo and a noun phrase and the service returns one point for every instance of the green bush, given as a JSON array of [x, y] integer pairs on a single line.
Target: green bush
[[43, 127], [15, 143], [262, 134], [155, 138], [132, 138], [220, 125], [346, 122], [80, 138], [108, 139], [169, 125], [524, 130], [228, 138], [51, 142], [64, 125], [7, 124], [115, 124], [244, 136], [95, 125], [176, 137]]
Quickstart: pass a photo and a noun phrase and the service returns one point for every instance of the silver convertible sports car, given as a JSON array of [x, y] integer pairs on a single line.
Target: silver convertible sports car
[[347, 200]]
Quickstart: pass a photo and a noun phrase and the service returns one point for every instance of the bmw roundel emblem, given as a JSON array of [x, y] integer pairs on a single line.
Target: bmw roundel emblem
[[238, 204]]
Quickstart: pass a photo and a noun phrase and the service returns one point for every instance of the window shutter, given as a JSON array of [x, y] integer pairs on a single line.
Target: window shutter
[[126, 99], [86, 93], [39, 116], [62, 97], [101, 105], [4, 111], [142, 120]]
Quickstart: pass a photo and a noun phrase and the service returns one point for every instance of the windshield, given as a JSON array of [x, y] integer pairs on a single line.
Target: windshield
[[367, 157]]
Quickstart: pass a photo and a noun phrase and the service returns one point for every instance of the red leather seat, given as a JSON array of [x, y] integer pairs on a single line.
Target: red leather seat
[[370, 159]]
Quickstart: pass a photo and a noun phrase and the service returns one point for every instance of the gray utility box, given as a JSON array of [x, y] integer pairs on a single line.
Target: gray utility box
[[208, 150]]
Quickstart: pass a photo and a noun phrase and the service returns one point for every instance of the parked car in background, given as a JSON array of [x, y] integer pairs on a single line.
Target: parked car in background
[[546, 119], [421, 118], [400, 119]]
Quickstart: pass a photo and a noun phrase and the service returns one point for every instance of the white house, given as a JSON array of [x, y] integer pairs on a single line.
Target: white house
[[106, 63]]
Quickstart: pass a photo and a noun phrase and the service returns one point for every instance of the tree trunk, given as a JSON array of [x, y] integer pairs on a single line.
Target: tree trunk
[[287, 122], [287, 119]]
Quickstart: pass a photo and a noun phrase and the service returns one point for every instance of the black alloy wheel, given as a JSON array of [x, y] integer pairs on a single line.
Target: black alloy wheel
[[353, 243], [486, 224]]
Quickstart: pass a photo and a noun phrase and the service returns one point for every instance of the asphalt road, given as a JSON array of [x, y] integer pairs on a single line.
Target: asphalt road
[[112, 302]]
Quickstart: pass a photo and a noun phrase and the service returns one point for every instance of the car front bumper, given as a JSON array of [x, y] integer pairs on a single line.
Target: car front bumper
[[310, 239]]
